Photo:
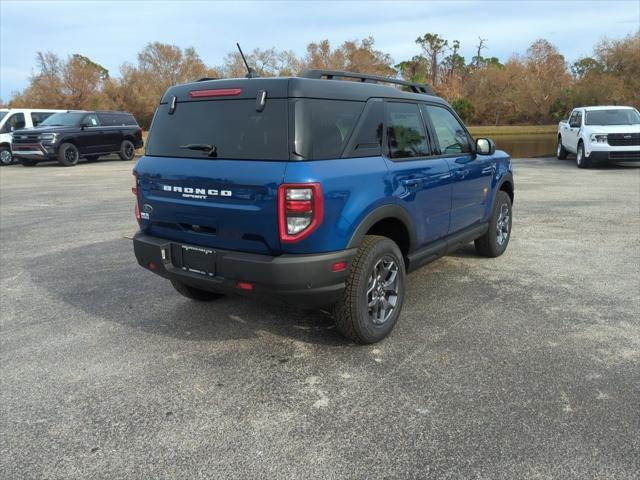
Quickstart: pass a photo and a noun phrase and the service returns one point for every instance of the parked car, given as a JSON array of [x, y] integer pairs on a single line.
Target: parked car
[[15, 119], [316, 191], [71, 135], [600, 135]]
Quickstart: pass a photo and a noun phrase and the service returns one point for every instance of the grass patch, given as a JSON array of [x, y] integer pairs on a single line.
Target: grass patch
[[490, 130]]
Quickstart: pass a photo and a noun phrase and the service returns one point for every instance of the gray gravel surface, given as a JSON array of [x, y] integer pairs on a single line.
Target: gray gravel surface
[[524, 366]]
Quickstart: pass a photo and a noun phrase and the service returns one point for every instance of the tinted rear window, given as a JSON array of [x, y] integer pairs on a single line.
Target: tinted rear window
[[321, 128], [116, 119], [234, 127]]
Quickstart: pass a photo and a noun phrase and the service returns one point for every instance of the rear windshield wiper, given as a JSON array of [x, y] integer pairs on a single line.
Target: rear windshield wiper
[[210, 150]]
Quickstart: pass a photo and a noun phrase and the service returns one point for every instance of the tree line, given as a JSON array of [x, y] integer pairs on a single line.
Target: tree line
[[536, 87]]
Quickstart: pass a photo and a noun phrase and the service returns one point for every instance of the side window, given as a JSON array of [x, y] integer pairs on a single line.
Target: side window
[[579, 119], [368, 138], [91, 120], [572, 118], [14, 122], [452, 136], [106, 119], [406, 136], [38, 117]]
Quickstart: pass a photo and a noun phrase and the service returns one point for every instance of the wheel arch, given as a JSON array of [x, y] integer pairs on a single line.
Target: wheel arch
[[391, 221]]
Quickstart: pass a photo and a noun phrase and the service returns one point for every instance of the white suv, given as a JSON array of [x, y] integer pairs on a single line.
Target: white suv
[[600, 134], [15, 119]]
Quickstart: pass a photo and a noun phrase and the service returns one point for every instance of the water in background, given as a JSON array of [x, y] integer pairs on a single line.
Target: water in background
[[522, 146]]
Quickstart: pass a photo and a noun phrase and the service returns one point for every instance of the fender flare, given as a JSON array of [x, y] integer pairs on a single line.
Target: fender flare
[[385, 211], [506, 177]]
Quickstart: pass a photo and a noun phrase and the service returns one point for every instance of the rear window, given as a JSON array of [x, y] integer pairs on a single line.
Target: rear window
[[233, 127], [321, 128], [117, 119]]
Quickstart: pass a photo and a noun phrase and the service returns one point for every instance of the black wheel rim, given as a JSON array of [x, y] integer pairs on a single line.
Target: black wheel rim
[[71, 155], [383, 290], [129, 150]]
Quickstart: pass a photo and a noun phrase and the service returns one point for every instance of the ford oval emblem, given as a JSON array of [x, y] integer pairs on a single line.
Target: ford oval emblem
[[146, 208]]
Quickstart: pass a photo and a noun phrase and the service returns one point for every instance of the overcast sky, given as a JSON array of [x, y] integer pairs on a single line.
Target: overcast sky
[[111, 33]]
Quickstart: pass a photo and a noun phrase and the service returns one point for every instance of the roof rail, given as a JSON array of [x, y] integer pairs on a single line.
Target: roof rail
[[333, 74], [204, 79]]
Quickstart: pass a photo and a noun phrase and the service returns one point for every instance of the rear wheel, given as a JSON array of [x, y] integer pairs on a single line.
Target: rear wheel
[[92, 158], [127, 150], [195, 293], [6, 158], [495, 241], [68, 155], [561, 152], [372, 299], [581, 160]]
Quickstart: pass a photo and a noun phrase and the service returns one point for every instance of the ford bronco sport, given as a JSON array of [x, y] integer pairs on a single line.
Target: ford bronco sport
[[314, 190], [68, 136]]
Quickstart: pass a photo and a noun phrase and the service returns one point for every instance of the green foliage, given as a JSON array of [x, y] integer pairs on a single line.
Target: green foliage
[[464, 108]]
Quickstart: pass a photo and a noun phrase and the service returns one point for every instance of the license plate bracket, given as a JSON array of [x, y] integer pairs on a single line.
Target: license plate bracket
[[198, 260]]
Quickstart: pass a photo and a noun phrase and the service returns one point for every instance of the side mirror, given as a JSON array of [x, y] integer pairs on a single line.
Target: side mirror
[[485, 146], [84, 125]]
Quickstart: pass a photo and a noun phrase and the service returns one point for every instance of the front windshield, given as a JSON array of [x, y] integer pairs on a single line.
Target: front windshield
[[64, 119], [2, 115], [618, 116]]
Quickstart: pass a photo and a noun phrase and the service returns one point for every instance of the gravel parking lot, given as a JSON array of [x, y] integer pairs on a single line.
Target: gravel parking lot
[[524, 366]]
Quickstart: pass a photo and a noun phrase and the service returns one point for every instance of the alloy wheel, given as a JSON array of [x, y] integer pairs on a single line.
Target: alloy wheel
[[503, 224], [382, 290]]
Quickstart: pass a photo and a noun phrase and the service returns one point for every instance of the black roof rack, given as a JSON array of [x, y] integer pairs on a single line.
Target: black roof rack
[[333, 74]]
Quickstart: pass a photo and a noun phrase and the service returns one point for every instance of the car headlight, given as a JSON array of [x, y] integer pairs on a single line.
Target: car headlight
[[48, 137], [599, 138]]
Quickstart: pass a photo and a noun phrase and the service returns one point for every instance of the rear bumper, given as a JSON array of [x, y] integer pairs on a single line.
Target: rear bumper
[[303, 280]]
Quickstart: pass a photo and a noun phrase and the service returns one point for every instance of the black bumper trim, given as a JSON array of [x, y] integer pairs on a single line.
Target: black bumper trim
[[614, 156], [304, 280]]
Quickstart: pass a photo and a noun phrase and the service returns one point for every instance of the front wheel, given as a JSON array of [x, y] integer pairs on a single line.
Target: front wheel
[[561, 152], [127, 150], [6, 158], [374, 293], [495, 241], [581, 160], [68, 155]]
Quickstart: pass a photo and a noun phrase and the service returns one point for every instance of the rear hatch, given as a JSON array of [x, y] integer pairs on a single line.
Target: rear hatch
[[215, 156]]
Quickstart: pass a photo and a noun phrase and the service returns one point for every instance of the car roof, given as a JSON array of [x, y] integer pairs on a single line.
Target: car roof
[[298, 87], [608, 107], [29, 110]]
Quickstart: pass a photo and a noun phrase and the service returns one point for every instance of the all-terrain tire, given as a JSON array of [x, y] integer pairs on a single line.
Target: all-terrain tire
[[127, 150], [353, 316], [561, 152], [195, 293], [581, 160], [68, 155], [495, 241]]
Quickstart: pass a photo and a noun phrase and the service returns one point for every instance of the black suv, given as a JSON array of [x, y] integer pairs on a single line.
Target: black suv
[[68, 136]]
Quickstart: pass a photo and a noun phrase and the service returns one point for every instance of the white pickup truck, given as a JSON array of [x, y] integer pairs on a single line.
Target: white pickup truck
[[600, 134], [15, 119]]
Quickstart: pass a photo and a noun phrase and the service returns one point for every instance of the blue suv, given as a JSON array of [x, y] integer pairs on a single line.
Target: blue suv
[[323, 190]]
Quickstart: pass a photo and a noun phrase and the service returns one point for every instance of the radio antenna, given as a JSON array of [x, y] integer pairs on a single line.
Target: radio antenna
[[251, 73]]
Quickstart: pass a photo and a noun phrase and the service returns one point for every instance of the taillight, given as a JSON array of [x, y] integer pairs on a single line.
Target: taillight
[[135, 189], [218, 92], [299, 210]]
